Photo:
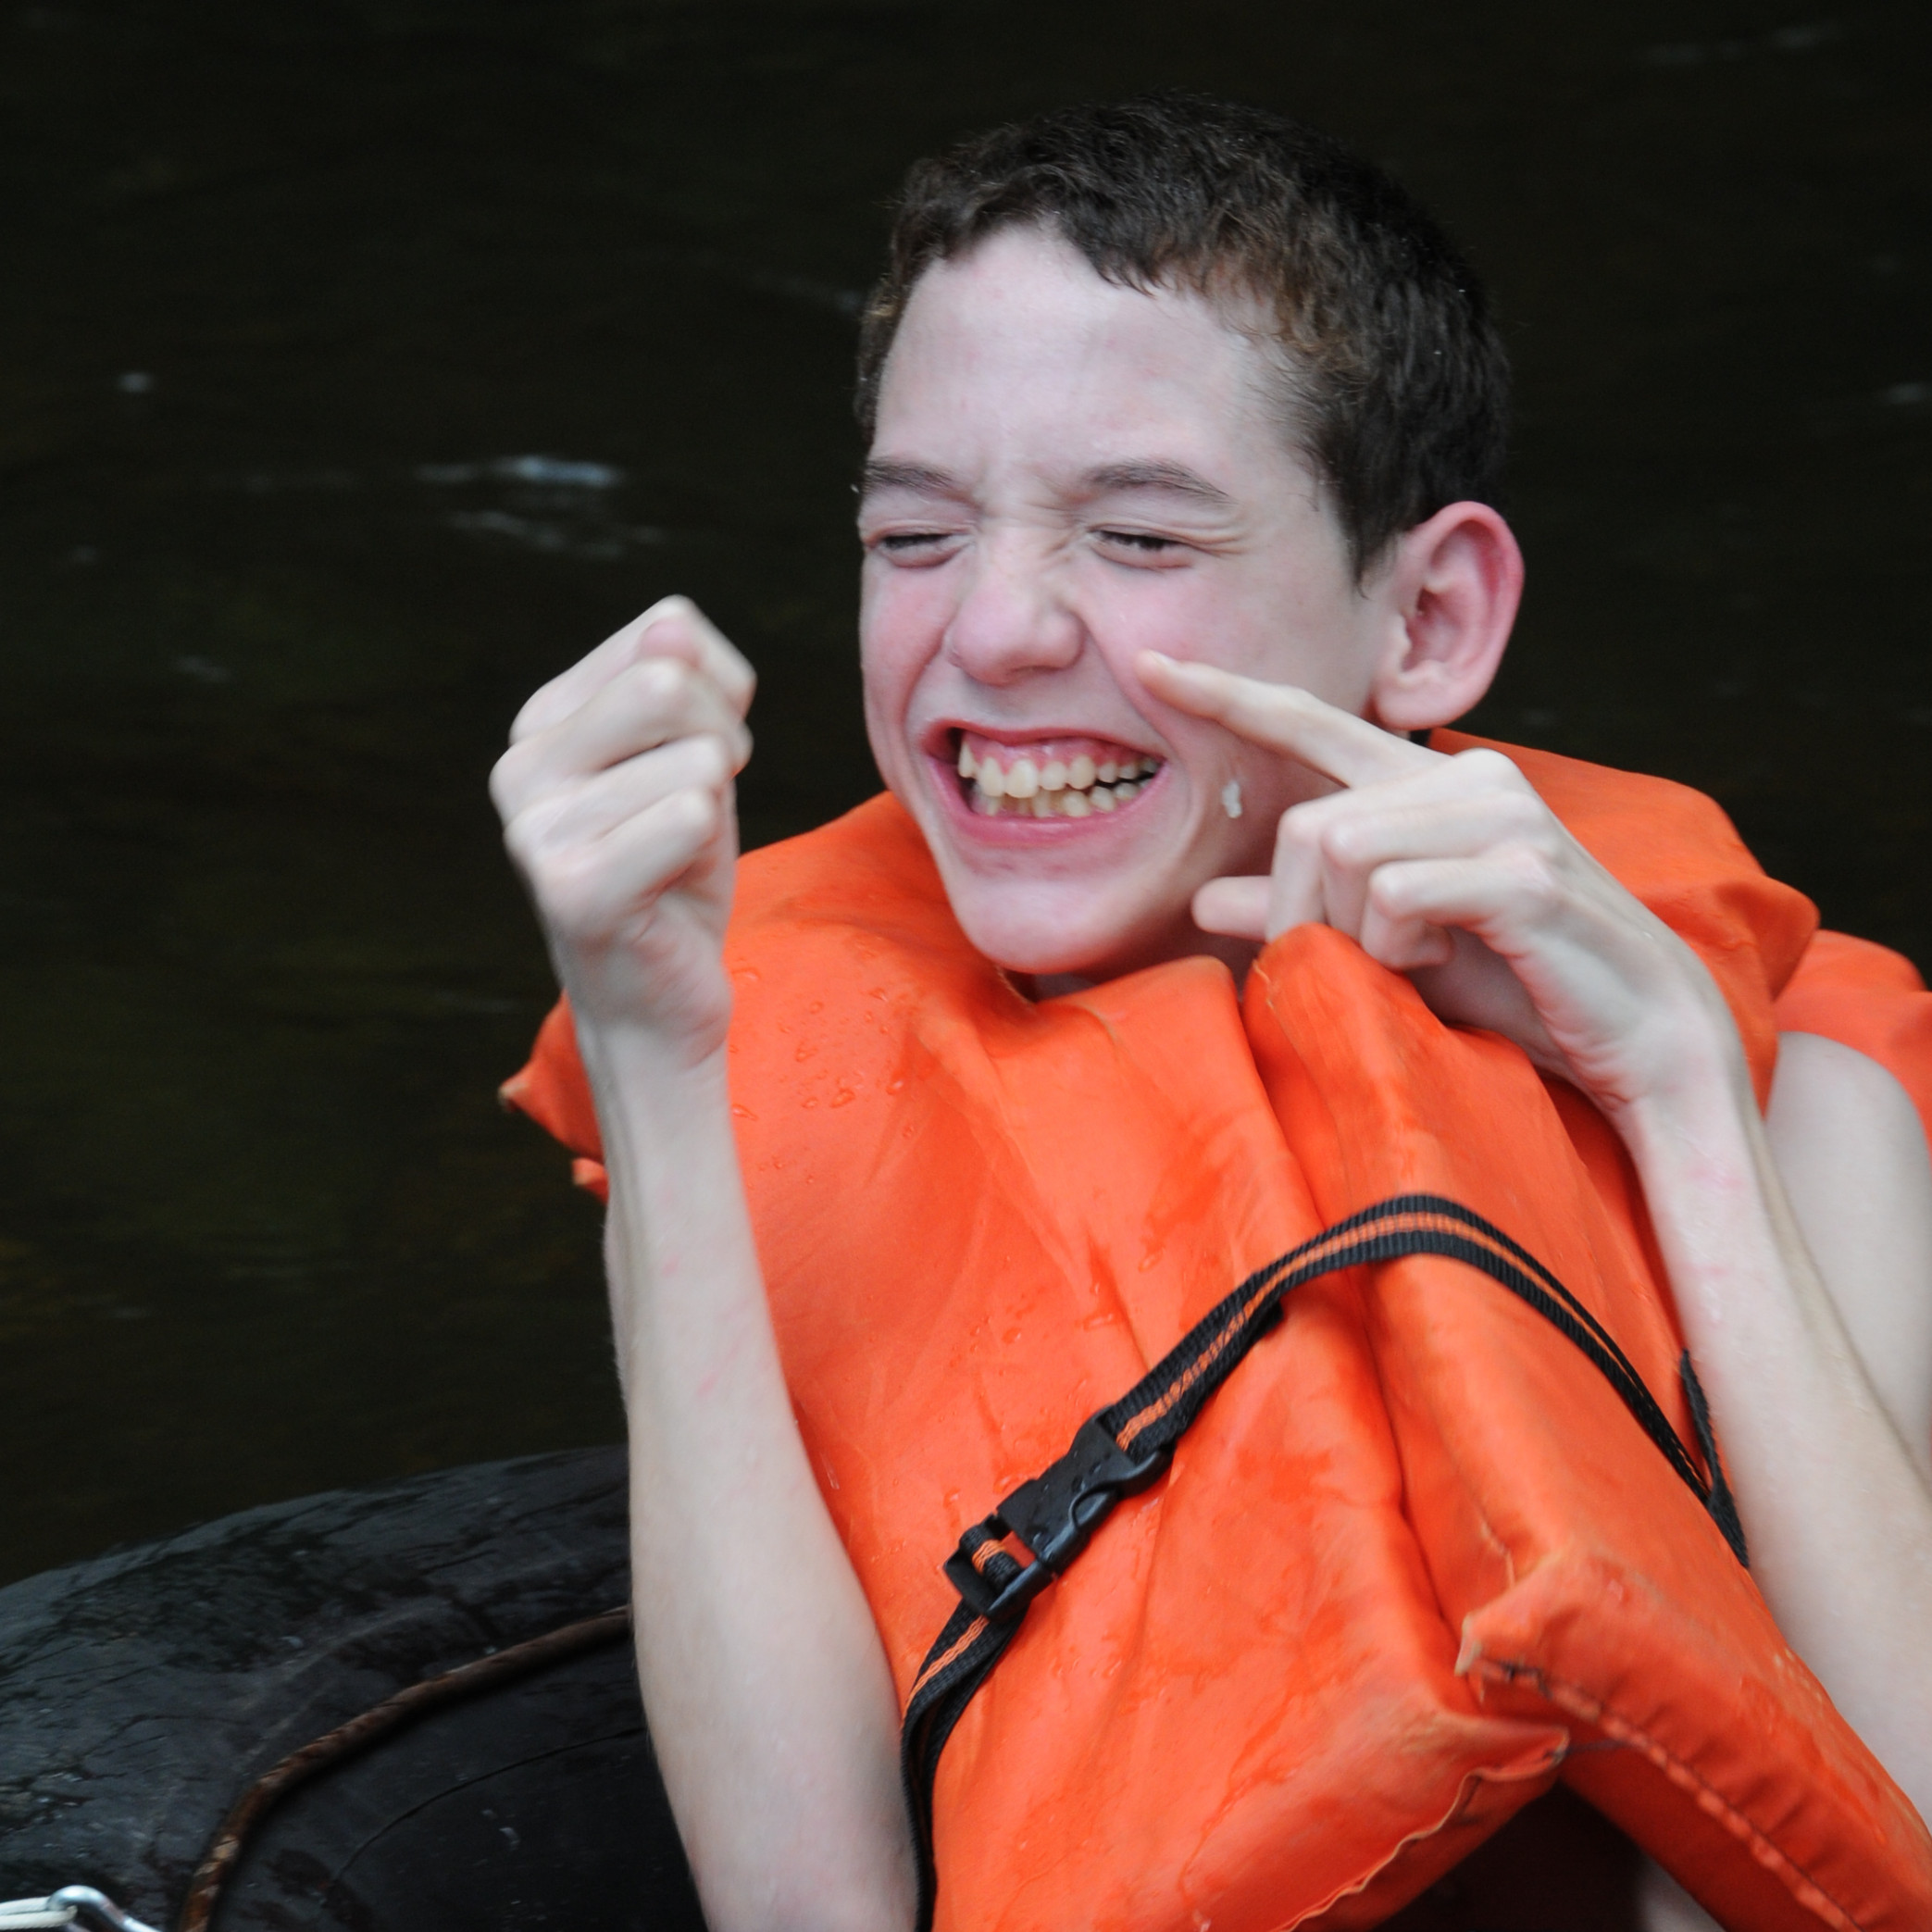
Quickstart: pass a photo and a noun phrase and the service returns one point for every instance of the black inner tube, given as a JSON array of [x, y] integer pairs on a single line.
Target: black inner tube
[[145, 1694]]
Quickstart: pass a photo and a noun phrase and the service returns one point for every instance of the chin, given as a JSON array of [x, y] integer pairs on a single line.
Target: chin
[[1049, 940]]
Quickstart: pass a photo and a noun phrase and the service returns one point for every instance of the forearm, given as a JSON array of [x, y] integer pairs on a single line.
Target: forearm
[[1838, 1519], [771, 1707]]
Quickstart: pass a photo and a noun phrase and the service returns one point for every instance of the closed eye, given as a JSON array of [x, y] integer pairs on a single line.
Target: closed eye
[[911, 545], [1142, 544]]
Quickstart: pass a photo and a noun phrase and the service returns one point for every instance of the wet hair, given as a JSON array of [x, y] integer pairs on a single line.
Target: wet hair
[[1396, 383]]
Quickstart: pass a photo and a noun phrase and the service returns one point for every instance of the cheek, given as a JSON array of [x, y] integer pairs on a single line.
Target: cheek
[[899, 630], [1181, 612], [903, 613], [1214, 617], [1303, 638]]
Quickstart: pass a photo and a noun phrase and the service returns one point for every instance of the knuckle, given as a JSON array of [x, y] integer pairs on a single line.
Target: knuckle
[[536, 854], [570, 885], [1391, 895], [538, 710], [714, 758], [523, 848], [662, 680], [676, 609], [1525, 817], [1345, 842], [1300, 831], [683, 803], [505, 782], [1533, 873], [701, 760], [1490, 769]]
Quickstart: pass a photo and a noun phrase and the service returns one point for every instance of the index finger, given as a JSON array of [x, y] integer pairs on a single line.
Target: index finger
[[1283, 718], [673, 627]]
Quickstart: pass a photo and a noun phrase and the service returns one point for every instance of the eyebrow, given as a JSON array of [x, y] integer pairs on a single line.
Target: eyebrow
[[1175, 479], [916, 477]]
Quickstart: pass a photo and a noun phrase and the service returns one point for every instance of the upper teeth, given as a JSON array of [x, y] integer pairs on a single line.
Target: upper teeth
[[1054, 788]]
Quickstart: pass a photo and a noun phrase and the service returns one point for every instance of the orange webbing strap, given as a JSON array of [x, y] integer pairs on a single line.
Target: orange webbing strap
[[1126, 1447]]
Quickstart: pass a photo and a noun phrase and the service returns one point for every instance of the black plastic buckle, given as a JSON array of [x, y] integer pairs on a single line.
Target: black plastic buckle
[[1057, 1512], [1055, 1515], [999, 1592]]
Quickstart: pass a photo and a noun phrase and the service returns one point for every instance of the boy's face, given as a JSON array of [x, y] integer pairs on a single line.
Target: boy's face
[[1066, 473]]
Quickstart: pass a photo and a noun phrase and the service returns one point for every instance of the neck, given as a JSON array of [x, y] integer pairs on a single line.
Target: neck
[[1236, 955]]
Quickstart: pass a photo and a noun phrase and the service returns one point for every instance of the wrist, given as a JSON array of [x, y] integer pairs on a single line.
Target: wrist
[[1692, 1130], [654, 1094]]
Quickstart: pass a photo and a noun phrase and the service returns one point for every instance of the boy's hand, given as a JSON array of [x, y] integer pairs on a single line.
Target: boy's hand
[[616, 798], [1452, 870]]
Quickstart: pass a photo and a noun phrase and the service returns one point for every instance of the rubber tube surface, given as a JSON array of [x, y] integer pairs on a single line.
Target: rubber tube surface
[[142, 1692]]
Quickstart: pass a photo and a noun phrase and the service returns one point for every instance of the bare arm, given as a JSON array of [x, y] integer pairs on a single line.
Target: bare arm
[[1852, 1156], [1849, 1144], [1838, 1510], [770, 1703]]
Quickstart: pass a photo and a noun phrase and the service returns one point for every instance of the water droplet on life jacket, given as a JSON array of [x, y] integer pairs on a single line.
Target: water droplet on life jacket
[[844, 1097]]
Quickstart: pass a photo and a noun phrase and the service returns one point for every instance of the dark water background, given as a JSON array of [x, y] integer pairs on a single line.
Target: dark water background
[[291, 294]]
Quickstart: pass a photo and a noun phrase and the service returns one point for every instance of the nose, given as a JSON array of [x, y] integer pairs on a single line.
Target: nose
[[1012, 621]]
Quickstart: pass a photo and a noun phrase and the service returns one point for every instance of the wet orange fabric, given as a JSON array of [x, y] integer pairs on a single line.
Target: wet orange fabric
[[1414, 1561]]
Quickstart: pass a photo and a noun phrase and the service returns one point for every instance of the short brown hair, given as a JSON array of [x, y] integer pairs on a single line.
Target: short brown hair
[[1399, 385]]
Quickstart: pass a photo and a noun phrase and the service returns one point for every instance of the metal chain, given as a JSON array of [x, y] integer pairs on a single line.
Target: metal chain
[[62, 1907]]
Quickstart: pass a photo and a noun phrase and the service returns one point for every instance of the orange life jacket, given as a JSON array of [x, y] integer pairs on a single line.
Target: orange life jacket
[[1415, 1561]]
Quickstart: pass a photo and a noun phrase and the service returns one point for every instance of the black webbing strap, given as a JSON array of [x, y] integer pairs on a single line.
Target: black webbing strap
[[1126, 1447]]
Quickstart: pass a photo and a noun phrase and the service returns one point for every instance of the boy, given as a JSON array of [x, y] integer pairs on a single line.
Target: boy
[[1180, 542]]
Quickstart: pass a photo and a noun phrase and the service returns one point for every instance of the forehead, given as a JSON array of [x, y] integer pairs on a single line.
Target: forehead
[[1020, 343]]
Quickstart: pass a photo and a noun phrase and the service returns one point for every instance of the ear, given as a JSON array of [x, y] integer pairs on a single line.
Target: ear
[[1449, 593]]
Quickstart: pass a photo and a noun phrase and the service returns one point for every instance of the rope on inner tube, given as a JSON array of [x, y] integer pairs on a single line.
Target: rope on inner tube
[[346, 1740]]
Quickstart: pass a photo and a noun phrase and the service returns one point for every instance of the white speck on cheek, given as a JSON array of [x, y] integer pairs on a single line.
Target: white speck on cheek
[[1231, 798]]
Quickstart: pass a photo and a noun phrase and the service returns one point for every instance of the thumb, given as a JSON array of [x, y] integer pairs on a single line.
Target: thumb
[[1238, 907]]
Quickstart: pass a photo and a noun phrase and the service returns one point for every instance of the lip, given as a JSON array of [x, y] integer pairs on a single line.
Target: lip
[[1007, 831], [940, 741]]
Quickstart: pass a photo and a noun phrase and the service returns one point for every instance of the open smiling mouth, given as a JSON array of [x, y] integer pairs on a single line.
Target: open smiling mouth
[[1050, 778]]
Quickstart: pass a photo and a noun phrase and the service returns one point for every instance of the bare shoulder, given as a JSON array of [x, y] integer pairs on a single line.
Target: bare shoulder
[[1853, 1157]]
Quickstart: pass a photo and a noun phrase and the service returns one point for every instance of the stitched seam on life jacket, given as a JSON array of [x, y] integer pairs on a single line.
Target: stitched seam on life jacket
[[1353, 1889], [1578, 1703], [1125, 1446]]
